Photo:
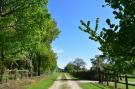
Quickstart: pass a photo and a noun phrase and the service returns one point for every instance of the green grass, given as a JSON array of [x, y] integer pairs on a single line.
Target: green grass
[[121, 86], [63, 76], [43, 84], [70, 75], [93, 86], [129, 80]]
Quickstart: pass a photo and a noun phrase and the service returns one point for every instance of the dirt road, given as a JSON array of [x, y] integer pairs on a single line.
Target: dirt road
[[67, 83]]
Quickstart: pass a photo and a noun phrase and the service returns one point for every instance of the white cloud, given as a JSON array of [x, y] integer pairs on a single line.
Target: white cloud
[[58, 50]]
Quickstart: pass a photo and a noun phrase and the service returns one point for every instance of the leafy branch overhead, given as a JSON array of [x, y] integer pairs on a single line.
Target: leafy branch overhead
[[86, 28], [117, 40]]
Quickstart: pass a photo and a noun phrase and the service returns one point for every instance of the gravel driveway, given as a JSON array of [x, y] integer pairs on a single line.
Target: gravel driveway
[[67, 83]]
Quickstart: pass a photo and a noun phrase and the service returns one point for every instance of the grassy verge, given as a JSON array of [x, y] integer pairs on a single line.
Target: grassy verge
[[71, 76], [93, 86], [100, 86], [63, 76], [121, 86], [129, 80], [43, 84]]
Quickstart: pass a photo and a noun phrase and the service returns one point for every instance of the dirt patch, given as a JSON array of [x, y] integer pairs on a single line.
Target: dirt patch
[[64, 86]]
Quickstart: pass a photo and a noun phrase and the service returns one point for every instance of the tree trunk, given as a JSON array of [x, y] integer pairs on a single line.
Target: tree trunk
[[2, 67], [1, 7], [35, 63], [30, 69], [99, 76], [39, 64]]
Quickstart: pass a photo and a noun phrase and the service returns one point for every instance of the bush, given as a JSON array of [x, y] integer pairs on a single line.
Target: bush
[[85, 75], [2, 70]]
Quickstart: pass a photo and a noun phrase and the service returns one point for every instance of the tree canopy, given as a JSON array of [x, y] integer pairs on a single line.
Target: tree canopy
[[77, 65], [26, 33], [117, 41]]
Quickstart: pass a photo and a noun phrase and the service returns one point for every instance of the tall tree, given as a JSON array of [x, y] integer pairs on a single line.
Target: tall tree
[[98, 64], [117, 40], [79, 63], [69, 67], [26, 32]]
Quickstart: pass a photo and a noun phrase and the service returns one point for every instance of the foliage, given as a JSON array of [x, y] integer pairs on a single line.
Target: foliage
[[98, 63], [2, 69], [82, 75], [100, 66], [77, 65], [69, 67], [26, 33], [117, 40], [49, 61]]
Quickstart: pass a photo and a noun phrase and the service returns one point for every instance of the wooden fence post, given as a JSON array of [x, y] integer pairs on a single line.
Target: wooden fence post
[[126, 81]]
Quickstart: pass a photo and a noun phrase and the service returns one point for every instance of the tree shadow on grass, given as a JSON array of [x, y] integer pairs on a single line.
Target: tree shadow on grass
[[102, 86]]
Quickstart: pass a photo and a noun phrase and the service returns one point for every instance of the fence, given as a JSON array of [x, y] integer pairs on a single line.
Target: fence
[[14, 74], [115, 78], [126, 81]]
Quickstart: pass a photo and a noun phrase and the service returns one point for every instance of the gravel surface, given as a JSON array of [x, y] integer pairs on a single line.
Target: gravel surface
[[67, 83], [57, 84]]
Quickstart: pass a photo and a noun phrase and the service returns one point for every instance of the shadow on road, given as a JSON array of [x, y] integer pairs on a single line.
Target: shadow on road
[[67, 79]]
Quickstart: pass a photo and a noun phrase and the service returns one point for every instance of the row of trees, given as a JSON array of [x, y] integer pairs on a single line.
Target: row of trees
[[77, 65], [26, 33], [117, 41]]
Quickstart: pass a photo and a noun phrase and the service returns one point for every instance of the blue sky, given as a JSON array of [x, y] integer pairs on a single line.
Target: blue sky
[[72, 42]]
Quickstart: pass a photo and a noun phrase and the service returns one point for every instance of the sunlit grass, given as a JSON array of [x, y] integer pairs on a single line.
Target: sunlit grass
[[93, 86], [121, 86], [44, 83]]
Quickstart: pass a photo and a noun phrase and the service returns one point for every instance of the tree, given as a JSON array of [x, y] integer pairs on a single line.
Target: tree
[[26, 33], [79, 63], [8, 8], [70, 67], [98, 64], [117, 40]]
